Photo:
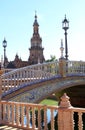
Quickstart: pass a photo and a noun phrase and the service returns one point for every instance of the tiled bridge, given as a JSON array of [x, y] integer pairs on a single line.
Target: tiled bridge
[[36, 82]]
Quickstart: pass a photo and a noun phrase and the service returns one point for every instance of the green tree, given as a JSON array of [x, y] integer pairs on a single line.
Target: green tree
[[52, 58]]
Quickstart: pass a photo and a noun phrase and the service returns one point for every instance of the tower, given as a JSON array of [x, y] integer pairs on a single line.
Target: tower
[[36, 50]]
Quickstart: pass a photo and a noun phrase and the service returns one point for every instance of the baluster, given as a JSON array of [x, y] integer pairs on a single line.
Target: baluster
[[7, 84], [27, 75], [30, 75], [72, 120], [22, 115], [4, 112], [33, 118], [33, 75], [21, 76], [8, 112], [24, 76], [45, 117], [13, 114], [17, 79], [52, 119], [11, 82], [39, 118], [17, 114], [28, 116], [80, 120], [3, 84], [14, 78]]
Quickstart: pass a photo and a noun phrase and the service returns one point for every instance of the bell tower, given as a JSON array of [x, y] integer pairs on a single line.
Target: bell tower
[[36, 50]]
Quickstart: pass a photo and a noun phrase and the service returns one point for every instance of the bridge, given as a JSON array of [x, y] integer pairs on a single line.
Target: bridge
[[34, 83]]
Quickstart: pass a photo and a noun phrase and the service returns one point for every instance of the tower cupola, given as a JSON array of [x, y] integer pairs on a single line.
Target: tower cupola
[[36, 50]]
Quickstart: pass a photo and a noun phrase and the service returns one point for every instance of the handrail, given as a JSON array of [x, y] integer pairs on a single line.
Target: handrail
[[26, 116], [34, 116], [17, 77]]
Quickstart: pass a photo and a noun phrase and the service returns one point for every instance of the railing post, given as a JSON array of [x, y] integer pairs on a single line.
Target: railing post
[[65, 115], [62, 67]]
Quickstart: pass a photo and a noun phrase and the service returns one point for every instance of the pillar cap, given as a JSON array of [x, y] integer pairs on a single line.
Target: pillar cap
[[65, 103]]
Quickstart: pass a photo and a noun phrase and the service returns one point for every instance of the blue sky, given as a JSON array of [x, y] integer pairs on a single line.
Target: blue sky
[[16, 25]]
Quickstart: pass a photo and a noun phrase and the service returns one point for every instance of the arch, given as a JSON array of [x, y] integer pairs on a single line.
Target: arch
[[37, 91]]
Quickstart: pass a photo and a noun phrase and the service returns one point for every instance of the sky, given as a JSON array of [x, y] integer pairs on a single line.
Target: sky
[[16, 25]]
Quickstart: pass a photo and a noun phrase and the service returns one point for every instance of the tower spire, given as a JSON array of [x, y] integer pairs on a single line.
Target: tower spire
[[35, 15], [36, 50]]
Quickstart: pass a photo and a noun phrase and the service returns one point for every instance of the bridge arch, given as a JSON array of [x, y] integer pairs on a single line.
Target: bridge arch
[[40, 90], [36, 82]]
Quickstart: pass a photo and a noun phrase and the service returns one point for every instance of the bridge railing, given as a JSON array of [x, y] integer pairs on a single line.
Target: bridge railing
[[15, 78], [34, 73], [34, 116], [76, 67], [23, 115]]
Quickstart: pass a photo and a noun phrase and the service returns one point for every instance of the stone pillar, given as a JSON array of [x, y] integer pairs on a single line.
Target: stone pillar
[[62, 67], [65, 115]]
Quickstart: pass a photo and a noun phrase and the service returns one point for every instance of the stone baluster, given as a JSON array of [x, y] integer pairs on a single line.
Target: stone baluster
[[22, 115], [13, 113], [27, 75], [8, 112], [65, 114], [14, 80], [80, 123], [39, 118], [3, 84], [30, 75], [33, 118], [17, 114], [24, 75], [55, 64], [45, 117], [8, 86], [17, 79], [20, 77], [52, 119], [4, 112], [11, 81], [28, 116]]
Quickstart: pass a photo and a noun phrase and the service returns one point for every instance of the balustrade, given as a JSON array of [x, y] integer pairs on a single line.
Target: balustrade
[[15, 78], [29, 116], [23, 115], [18, 77]]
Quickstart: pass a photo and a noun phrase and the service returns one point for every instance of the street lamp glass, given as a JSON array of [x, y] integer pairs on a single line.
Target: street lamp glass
[[65, 24], [4, 43]]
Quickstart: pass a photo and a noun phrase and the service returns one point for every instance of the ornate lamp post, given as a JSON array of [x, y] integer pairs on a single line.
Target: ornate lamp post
[[4, 46], [65, 26]]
